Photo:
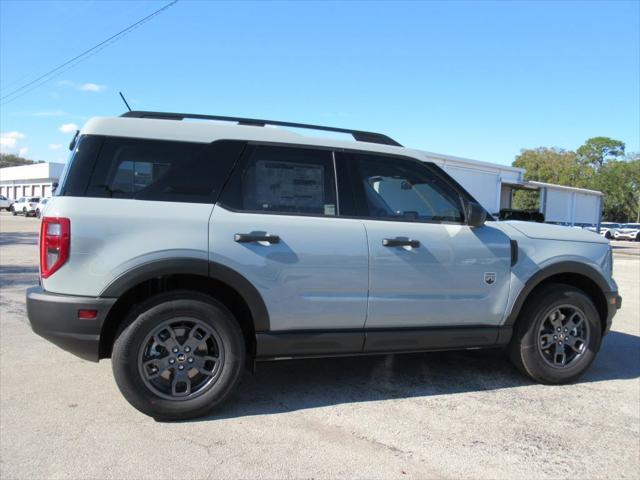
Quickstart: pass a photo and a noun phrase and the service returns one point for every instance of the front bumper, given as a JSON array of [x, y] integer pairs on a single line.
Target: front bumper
[[614, 303], [55, 317], [625, 236]]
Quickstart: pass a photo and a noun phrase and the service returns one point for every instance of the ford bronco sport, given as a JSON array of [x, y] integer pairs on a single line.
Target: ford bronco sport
[[185, 251]]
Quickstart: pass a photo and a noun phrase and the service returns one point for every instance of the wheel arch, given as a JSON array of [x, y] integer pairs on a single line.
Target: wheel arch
[[211, 278], [576, 274]]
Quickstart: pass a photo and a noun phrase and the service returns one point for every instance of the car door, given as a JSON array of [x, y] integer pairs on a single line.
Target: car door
[[277, 224], [427, 267]]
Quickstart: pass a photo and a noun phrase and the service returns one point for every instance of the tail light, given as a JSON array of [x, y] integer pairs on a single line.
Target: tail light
[[55, 237]]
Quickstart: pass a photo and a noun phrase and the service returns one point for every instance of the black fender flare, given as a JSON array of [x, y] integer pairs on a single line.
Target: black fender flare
[[193, 266], [566, 267]]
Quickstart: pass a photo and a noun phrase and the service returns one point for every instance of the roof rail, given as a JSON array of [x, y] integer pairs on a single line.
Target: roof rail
[[358, 135]]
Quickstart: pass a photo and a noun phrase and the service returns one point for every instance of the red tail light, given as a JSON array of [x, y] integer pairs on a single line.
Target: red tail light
[[55, 237]]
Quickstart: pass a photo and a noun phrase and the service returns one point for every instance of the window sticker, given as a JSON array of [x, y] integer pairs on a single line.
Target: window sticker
[[286, 184]]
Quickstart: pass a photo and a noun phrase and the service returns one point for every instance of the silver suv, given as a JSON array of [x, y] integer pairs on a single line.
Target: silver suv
[[186, 251]]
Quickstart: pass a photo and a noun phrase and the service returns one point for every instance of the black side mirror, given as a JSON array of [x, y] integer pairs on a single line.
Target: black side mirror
[[476, 215]]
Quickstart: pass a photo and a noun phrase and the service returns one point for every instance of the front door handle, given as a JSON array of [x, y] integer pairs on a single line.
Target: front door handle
[[399, 242], [250, 237]]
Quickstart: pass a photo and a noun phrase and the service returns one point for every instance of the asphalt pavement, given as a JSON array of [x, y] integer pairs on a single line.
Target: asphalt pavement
[[437, 415]]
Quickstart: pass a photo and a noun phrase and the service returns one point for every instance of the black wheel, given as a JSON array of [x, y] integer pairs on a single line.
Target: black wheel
[[557, 335], [24, 212], [607, 235], [180, 356], [13, 211], [38, 213]]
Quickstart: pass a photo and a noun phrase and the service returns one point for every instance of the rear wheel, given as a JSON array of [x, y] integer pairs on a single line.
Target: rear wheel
[[13, 211], [180, 357], [557, 335]]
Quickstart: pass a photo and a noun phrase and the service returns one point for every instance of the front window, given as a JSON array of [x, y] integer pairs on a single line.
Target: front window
[[397, 189]]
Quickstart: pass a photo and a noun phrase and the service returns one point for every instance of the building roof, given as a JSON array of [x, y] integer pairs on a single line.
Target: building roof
[[37, 171], [553, 186]]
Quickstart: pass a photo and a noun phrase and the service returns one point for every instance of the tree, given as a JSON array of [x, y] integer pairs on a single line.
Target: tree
[[597, 151], [550, 165], [619, 180]]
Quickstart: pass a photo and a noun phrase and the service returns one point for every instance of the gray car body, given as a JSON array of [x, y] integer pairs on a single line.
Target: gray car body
[[460, 276]]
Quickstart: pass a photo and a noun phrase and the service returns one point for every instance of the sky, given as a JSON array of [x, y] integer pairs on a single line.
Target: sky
[[480, 80]]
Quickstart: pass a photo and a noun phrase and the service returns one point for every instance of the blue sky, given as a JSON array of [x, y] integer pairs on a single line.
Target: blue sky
[[474, 79]]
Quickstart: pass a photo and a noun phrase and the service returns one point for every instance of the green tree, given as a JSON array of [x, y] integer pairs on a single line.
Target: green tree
[[597, 151], [619, 180], [551, 165]]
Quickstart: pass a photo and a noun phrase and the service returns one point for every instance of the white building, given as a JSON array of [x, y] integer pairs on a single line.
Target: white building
[[493, 186], [29, 180]]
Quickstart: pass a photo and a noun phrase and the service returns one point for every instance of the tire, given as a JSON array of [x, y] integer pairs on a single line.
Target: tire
[[25, 213], [13, 211], [526, 347], [38, 213], [160, 397], [607, 235]]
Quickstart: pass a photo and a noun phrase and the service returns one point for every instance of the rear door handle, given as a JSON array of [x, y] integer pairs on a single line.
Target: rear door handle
[[249, 238], [398, 242]]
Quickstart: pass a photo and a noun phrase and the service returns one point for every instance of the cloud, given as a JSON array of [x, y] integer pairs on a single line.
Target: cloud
[[83, 87], [55, 146], [92, 87], [53, 113], [8, 140], [68, 127], [9, 143]]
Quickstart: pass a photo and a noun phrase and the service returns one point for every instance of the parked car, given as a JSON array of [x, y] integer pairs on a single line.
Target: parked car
[[267, 244], [628, 231], [608, 229], [5, 203], [40, 207], [26, 206]]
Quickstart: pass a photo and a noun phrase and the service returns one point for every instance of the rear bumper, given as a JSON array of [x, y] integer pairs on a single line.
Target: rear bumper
[[614, 303], [55, 317]]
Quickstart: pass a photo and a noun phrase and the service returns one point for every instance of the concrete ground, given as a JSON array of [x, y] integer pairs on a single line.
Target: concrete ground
[[457, 414]]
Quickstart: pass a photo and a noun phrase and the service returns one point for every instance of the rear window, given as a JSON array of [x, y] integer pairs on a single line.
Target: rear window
[[34, 199], [151, 169]]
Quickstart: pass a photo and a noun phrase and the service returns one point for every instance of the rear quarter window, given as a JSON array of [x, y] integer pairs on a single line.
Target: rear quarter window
[[153, 170]]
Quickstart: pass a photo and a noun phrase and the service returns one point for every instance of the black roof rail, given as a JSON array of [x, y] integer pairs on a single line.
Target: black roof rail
[[358, 135]]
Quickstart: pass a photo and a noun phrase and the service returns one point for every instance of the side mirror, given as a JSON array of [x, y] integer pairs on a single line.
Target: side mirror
[[476, 215]]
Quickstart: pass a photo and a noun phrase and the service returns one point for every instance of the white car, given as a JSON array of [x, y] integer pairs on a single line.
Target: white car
[[5, 203], [26, 206], [41, 206], [609, 229], [628, 231]]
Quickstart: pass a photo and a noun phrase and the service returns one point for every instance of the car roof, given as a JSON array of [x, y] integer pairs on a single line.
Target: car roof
[[209, 131]]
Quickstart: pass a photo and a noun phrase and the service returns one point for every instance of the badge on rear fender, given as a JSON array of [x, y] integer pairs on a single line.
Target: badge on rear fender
[[489, 278]]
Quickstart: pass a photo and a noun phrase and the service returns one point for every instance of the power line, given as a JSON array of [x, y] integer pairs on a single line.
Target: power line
[[82, 56]]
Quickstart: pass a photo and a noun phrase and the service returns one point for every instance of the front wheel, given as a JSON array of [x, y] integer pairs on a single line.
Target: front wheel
[[180, 356], [557, 335]]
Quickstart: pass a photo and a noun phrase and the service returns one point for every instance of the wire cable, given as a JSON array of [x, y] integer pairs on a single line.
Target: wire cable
[[82, 56]]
